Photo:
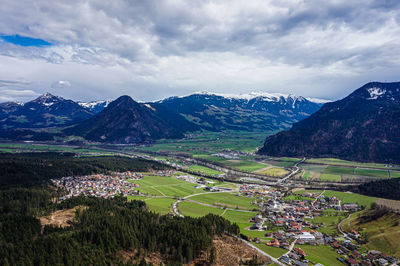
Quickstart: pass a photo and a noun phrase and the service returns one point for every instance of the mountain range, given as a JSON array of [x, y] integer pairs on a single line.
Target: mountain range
[[45, 111], [364, 126], [127, 121], [248, 112]]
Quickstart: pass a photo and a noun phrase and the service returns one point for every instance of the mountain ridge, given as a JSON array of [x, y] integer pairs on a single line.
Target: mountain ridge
[[364, 126], [127, 121]]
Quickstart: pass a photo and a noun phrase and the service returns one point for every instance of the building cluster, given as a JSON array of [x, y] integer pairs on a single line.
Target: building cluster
[[163, 172], [257, 191], [352, 255], [98, 185], [293, 222], [227, 155]]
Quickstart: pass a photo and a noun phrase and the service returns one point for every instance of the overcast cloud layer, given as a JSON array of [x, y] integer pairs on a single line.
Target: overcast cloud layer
[[153, 49]]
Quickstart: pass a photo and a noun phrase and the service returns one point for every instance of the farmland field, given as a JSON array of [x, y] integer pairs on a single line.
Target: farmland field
[[275, 171], [332, 161], [339, 170], [244, 165], [330, 177], [165, 186], [225, 199], [372, 173], [195, 210], [325, 255], [345, 197], [203, 169], [274, 252]]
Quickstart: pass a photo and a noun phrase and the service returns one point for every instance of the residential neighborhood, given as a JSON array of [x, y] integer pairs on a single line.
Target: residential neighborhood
[[98, 185]]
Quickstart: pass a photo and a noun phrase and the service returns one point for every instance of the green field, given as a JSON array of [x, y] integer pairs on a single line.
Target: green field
[[208, 141], [331, 220], [187, 208], [165, 186], [325, 255], [203, 169], [225, 199], [339, 170], [345, 197], [313, 167], [330, 177], [383, 233], [371, 173], [333, 161], [31, 147], [274, 252], [244, 165], [275, 171], [306, 175], [160, 205]]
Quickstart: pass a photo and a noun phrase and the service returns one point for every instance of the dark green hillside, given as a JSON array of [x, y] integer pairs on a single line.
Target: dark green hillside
[[364, 126], [98, 232], [28, 169], [126, 121]]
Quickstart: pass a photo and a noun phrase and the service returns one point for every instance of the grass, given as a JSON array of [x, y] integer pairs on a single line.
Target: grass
[[383, 233], [371, 173], [203, 169], [213, 142], [312, 167], [306, 175], [333, 161], [165, 186], [244, 165], [273, 251], [339, 170], [187, 208], [345, 197], [275, 171], [330, 177], [223, 198], [331, 220], [325, 255], [160, 205]]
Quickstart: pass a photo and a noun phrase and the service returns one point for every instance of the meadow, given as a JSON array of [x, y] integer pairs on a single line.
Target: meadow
[[382, 233], [325, 255], [345, 197], [225, 199], [165, 186], [203, 169]]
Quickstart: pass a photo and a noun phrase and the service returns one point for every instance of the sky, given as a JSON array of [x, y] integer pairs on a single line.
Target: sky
[[95, 49]]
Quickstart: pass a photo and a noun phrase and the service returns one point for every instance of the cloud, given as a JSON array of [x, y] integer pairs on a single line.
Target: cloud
[[16, 95], [157, 48]]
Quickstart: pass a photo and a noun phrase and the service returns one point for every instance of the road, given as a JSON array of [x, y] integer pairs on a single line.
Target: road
[[312, 203], [297, 169], [291, 247], [340, 228], [275, 260], [176, 203]]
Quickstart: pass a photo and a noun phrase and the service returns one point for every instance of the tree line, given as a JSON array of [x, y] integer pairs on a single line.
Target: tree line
[[33, 169], [98, 232]]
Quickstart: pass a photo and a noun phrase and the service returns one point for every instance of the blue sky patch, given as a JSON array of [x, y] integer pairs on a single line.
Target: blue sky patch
[[24, 41]]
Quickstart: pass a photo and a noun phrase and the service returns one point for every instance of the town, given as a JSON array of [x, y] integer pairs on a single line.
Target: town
[[98, 185]]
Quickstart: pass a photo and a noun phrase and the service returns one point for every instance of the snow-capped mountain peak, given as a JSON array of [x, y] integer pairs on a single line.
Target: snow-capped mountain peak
[[48, 99], [95, 106], [265, 96]]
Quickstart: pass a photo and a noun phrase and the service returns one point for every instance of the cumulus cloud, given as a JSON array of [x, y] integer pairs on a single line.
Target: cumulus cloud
[[153, 49]]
